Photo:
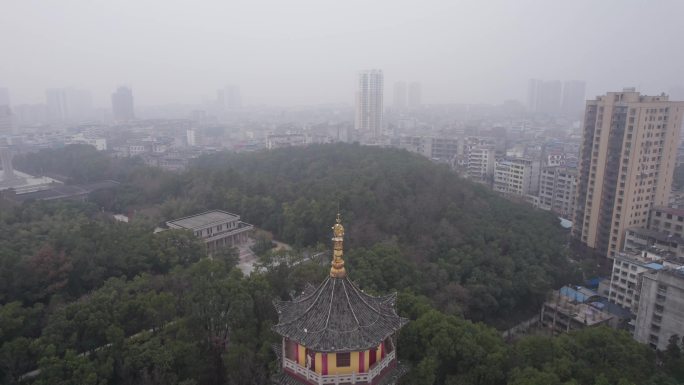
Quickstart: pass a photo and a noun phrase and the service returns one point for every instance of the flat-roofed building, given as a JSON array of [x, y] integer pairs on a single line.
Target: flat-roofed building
[[637, 239], [274, 141], [218, 229], [480, 162], [516, 176], [574, 308], [557, 187], [625, 282], [667, 220], [661, 308]]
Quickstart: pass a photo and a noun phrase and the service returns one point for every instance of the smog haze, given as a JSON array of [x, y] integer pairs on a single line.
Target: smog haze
[[309, 51]]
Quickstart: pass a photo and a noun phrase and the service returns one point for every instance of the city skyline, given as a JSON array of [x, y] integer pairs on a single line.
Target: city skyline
[[465, 59]]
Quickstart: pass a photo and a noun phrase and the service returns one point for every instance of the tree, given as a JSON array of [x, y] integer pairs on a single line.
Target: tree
[[49, 271]]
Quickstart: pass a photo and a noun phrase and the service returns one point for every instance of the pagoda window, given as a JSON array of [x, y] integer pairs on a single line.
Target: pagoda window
[[343, 360]]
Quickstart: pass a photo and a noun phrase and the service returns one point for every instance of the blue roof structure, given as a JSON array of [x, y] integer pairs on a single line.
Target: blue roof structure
[[593, 282], [654, 266], [580, 294]]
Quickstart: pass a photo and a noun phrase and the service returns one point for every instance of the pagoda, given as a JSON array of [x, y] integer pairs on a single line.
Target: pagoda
[[337, 334]]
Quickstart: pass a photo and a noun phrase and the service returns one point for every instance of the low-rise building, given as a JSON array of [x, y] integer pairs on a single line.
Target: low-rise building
[[218, 229], [573, 308], [274, 141], [100, 144], [637, 239], [661, 309], [440, 149], [554, 159], [516, 176], [443, 148], [667, 220]]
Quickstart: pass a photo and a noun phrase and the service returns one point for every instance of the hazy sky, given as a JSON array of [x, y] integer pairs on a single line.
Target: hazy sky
[[288, 52]]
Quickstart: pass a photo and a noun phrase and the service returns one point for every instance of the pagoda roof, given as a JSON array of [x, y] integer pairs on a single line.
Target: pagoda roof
[[337, 316]]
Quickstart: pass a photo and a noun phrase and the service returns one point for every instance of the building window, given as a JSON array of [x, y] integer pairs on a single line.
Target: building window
[[343, 360]]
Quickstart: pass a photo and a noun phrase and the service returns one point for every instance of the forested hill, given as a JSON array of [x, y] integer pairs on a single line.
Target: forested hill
[[455, 241], [87, 300], [470, 245]]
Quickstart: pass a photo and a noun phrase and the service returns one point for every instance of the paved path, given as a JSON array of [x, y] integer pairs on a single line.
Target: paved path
[[247, 257]]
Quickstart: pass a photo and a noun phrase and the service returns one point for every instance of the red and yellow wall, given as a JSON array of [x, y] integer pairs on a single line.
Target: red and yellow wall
[[326, 363]]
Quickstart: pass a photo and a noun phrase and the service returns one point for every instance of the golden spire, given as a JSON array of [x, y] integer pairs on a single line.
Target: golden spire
[[337, 268]]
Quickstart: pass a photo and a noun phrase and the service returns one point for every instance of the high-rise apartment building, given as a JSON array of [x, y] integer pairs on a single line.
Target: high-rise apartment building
[[544, 97], [229, 98], [532, 94], [30, 114], [574, 92], [56, 102], [549, 97], [5, 112], [4, 97], [627, 159], [414, 95], [399, 102], [122, 104], [6, 120], [369, 103], [68, 104]]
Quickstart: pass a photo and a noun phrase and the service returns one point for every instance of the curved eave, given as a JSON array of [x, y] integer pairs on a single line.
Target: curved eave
[[335, 349], [338, 316]]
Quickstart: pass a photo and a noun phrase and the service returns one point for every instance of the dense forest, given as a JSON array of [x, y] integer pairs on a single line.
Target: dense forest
[[469, 251], [87, 300]]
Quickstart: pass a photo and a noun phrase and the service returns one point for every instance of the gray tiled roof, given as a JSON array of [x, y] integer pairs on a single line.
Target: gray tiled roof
[[204, 219], [338, 316]]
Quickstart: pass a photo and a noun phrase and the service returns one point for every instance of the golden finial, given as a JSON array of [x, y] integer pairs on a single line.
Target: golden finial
[[337, 265]]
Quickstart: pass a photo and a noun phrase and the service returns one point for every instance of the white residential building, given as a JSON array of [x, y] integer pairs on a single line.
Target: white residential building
[[481, 161], [557, 188], [516, 176]]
